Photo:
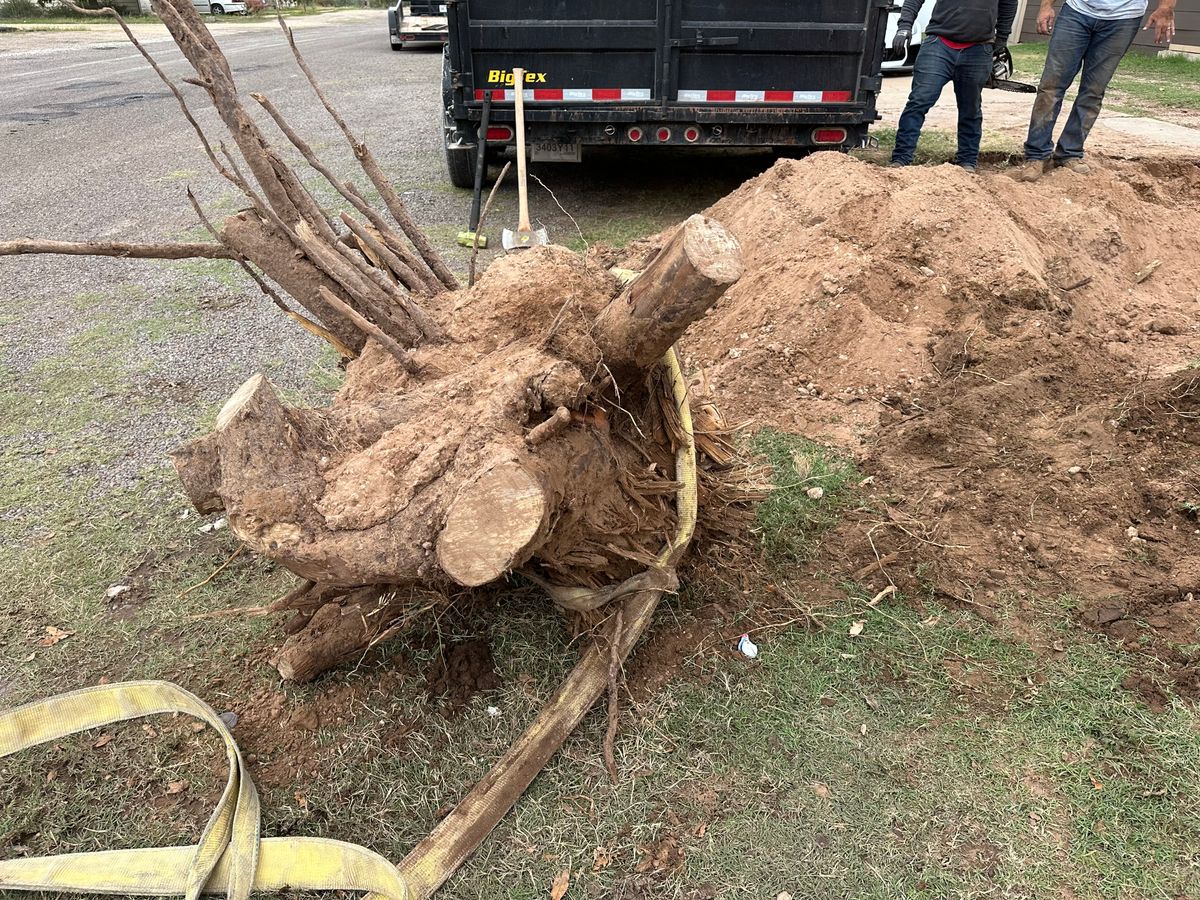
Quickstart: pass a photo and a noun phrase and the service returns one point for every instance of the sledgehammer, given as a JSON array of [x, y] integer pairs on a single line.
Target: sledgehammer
[[469, 238]]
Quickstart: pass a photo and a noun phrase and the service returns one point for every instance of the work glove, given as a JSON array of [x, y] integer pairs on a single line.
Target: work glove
[[900, 42]]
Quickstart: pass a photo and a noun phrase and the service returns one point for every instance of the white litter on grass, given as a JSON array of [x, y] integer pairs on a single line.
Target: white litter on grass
[[747, 647], [815, 493], [213, 526], [493, 712], [116, 591]]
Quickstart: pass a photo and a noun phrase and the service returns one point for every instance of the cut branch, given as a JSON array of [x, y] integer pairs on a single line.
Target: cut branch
[[201, 250]]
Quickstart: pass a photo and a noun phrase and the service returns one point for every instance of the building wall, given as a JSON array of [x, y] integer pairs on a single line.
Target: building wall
[[1187, 26]]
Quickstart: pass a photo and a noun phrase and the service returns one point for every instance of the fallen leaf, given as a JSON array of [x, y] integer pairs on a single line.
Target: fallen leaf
[[103, 741], [700, 830], [54, 635], [821, 789], [562, 881], [871, 702], [149, 729], [857, 628], [198, 727], [30, 658], [177, 787], [1095, 784], [601, 859], [862, 729], [51, 775]]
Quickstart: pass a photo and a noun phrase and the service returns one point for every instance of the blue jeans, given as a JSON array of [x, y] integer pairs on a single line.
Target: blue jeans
[[1078, 40], [937, 65]]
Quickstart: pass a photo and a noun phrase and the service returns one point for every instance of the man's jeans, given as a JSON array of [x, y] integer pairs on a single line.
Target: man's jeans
[[937, 65], [1077, 40]]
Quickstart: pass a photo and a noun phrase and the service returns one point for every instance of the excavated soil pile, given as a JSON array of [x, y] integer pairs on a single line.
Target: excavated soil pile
[[1025, 396]]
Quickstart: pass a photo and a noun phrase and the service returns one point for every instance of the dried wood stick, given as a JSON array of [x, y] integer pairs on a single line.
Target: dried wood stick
[[405, 269], [373, 243], [614, 709], [426, 325], [202, 250], [403, 356], [483, 218], [371, 167]]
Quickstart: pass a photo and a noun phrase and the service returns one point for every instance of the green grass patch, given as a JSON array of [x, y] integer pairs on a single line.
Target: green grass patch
[[1171, 81], [790, 520], [938, 145]]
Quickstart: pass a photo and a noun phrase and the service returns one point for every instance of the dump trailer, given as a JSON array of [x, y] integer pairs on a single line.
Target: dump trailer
[[795, 75]]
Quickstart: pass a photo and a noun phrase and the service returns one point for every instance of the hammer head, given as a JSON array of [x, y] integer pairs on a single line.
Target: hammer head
[[523, 240]]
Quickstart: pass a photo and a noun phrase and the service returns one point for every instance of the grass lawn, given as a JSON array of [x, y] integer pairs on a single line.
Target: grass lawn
[[1142, 82]]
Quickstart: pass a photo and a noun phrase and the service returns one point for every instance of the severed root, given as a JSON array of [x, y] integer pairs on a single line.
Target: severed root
[[492, 525]]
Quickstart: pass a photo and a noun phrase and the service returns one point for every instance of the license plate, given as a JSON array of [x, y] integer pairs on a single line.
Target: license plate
[[556, 151]]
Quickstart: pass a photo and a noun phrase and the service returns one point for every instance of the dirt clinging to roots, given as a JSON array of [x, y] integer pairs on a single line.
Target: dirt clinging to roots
[[1025, 396]]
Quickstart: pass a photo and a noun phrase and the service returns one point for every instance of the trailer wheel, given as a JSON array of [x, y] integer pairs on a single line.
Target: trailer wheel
[[460, 163]]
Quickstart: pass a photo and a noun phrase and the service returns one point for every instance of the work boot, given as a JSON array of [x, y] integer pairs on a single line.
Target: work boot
[[895, 165], [1074, 164], [1032, 170], [967, 167]]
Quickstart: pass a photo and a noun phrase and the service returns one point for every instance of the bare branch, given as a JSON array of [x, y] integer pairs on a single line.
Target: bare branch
[[117, 248], [367, 159]]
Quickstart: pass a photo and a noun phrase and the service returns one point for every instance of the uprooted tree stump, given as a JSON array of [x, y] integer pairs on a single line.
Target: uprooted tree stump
[[514, 445], [522, 425]]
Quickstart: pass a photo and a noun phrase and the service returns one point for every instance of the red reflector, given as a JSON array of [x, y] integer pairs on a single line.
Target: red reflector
[[692, 135], [835, 97], [634, 134], [777, 96], [722, 96], [829, 136], [606, 93], [664, 134], [547, 94], [499, 133]]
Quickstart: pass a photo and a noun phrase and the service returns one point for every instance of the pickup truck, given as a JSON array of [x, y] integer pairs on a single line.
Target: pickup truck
[[417, 22], [793, 75]]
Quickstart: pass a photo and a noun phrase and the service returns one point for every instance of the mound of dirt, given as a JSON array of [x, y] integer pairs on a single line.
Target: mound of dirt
[[997, 358]]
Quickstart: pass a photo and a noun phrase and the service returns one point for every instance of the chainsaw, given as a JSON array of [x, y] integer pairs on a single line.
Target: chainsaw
[[1002, 73]]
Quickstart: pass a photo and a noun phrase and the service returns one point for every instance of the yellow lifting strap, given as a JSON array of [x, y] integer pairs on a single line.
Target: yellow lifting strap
[[230, 857]]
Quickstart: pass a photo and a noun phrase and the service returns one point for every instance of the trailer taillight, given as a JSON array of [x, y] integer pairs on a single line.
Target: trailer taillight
[[829, 136], [499, 133], [692, 134], [663, 134], [634, 134]]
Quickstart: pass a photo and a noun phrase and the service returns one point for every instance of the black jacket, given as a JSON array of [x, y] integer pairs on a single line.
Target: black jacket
[[968, 21]]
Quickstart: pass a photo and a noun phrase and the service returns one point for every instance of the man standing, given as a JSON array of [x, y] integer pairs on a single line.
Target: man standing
[[1094, 35], [960, 41]]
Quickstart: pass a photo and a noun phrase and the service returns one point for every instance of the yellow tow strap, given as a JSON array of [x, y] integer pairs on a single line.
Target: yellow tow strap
[[231, 858]]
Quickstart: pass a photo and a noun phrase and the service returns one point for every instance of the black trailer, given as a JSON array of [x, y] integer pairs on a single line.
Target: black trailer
[[791, 74]]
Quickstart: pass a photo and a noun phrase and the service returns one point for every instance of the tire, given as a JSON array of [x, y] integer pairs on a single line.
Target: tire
[[397, 47], [217, 9], [461, 166]]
